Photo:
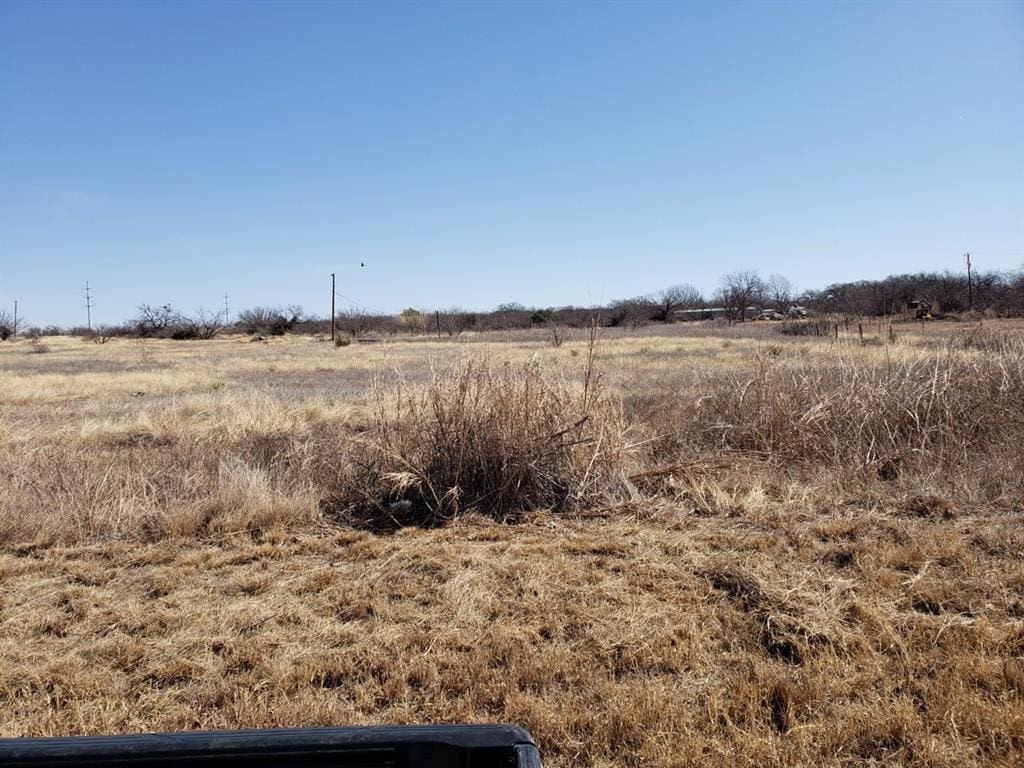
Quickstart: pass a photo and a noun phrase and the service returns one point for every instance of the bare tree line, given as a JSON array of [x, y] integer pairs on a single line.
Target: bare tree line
[[946, 292], [738, 297]]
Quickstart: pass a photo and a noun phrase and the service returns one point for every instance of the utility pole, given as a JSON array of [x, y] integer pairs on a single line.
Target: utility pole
[[970, 285], [88, 307], [332, 306], [15, 333], [227, 310]]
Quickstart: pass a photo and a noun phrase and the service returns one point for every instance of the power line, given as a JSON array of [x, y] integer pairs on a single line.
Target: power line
[[355, 303]]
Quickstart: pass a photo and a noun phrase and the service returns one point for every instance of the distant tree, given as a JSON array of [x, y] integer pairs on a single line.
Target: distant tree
[[164, 322], [544, 317], [945, 291], [412, 320], [206, 324], [779, 291], [740, 290], [355, 322], [104, 333], [1015, 292], [7, 328], [671, 300], [273, 321], [991, 289], [508, 315], [552, 321], [454, 321], [630, 313], [156, 321]]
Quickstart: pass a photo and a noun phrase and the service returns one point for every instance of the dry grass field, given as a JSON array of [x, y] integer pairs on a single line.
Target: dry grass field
[[687, 547]]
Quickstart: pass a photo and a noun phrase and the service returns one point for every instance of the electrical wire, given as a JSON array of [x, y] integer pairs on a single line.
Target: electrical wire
[[355, 303]]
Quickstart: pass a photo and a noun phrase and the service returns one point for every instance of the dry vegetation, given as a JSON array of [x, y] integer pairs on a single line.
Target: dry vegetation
[[711, 546]]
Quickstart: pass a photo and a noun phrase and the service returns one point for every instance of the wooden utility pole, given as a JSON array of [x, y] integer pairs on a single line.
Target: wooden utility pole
[[88, 307], [332, 306], [970, 285]]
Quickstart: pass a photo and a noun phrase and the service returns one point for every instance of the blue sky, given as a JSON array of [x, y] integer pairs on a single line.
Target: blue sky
[[475, 153]]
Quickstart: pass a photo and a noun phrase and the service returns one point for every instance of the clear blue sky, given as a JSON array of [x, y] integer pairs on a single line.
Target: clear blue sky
[[475, 153]]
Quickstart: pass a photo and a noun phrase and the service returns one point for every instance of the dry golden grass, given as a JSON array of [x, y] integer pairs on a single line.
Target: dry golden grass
[[729, 547]]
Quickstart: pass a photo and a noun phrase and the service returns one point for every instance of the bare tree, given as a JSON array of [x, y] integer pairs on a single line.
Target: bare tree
[[274, 321], [669, 301], [509, 315], [103, 333], [1015, 291], [355, 322], [630, 313], [739, 291], [548, 318], [206, 324], [779, 291], [155, 321], [455, 320], [164, 322]]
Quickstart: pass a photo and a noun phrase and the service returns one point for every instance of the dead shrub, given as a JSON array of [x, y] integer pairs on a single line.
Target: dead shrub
[[495, 440]]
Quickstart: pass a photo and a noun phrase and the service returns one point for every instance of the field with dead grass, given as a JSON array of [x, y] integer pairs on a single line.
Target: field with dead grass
[[713, 546]]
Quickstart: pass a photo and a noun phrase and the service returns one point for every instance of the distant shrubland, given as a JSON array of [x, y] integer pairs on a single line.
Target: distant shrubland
[[740, 296]]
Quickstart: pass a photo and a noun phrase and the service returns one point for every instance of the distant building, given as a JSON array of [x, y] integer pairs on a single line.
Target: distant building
[[704, 313], [922, 309]]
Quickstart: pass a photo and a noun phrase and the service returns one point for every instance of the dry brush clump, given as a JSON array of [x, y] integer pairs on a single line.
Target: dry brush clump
[[919, 412], [499, 441]]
